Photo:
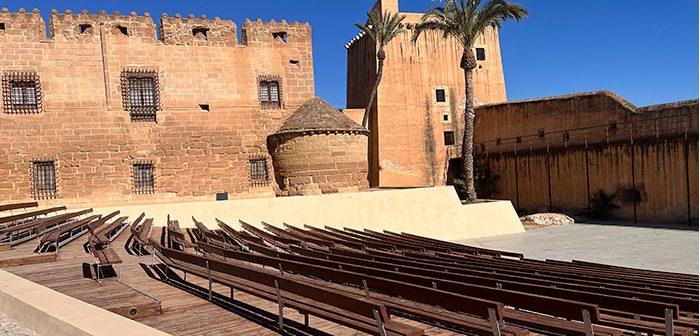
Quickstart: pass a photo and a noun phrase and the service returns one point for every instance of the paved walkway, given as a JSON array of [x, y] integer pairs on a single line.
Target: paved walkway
[[662, 249]]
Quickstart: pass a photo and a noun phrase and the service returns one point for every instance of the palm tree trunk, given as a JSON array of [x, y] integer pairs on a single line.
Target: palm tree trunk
[[468, 64], [380, 70]]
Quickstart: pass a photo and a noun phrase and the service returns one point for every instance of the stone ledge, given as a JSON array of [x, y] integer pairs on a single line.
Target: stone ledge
[[48, 312]]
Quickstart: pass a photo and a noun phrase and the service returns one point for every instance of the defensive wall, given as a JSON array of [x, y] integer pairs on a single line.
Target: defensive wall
[[208, 122], [555, 153]]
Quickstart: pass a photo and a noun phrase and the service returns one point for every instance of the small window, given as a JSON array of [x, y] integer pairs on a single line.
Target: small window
[[121, 30], [449, 138], [204, 107], [2, 27], [280, 35], [565, 136], [440, 96], [445, 117], [269, 94], [480, 54], [200, 33], [519, 140], [85, 29], [21, 92], [540, 133], [144, 179], [483, 147], [294, 62], [258, 172], [140, 94], [44, 179], [498, 141], [612, 126]]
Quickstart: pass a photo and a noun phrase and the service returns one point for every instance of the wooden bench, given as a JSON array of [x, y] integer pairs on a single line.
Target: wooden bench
[[362, 314], [64, 235], [110, 232], [106, 257]]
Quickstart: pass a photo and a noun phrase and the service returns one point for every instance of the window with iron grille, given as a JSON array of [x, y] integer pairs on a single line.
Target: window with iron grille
[[258, 172], [480, 54], [21, 92], [144, 179], [269, 92], [140, 94], [44, 179]]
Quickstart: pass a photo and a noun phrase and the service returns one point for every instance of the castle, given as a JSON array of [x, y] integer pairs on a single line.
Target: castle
[[547, 154], [107, 110], [102, 110]]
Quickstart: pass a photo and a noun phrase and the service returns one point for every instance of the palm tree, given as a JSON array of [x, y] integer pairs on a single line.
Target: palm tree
[[465, 20], [382, 29]]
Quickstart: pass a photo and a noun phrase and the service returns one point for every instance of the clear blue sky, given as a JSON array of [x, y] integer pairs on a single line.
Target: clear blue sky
[[646, 51]]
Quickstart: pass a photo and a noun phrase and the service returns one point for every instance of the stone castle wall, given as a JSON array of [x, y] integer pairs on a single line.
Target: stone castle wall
[[320, 163], [556, 153], [200, 65]]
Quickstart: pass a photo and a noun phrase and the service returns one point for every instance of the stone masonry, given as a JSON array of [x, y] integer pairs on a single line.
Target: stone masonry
[[208, 123]]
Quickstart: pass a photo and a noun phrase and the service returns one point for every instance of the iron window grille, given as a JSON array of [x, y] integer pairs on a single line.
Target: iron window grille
[[140, 94], [269, 92], [21, 93], [144, 178], [259, 175], [44, 179]]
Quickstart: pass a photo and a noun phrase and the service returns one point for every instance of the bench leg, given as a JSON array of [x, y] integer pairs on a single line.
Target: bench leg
[[209, 277], [495, 327], [588, 327], [280, 305], [669, 322], [380, 324]]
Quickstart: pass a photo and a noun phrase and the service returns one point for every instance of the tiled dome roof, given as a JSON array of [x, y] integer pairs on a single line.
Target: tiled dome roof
[[318, 115]]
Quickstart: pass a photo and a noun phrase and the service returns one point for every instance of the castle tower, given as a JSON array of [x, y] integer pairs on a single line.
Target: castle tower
[[417, 121]]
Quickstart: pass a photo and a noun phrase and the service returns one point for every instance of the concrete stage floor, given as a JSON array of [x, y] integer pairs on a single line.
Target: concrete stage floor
[[656, 247]]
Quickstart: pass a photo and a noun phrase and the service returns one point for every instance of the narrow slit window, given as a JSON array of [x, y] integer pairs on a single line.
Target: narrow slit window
[[440, 96], [44, 179], [21, 92], [540, 133], [449, 138], [480, 54], [2, 27], [144, 178], [259, 175], [269, 94], [498, 141], [565, 136]]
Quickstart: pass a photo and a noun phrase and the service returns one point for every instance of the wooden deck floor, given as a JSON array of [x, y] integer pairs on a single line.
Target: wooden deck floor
[[184, 304]]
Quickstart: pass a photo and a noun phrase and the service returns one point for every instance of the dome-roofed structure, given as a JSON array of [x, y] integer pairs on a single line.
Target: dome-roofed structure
[[319, 150]]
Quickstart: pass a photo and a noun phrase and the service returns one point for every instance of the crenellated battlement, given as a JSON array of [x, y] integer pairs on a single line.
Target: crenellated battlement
[[84, 26], [273, 32], [28, 26], [197, 31], [173, 30]]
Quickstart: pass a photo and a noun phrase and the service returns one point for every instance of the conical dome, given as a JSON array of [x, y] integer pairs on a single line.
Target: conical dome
[[318, 115]]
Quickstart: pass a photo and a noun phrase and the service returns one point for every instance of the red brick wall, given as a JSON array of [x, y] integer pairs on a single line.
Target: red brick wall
[[85, 129]]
